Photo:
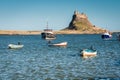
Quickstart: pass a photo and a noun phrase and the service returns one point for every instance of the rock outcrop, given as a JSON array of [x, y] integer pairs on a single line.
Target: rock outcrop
[[81, 23]]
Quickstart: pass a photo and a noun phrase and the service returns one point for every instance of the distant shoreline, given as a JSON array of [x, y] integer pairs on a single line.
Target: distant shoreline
[[15, 32], [75, 32]]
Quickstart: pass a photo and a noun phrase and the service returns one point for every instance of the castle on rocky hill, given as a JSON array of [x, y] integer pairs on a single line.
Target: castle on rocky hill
[[80, 22]]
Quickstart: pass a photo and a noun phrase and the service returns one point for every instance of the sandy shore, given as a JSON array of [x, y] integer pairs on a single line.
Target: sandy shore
[[75, 32], [14, 32]]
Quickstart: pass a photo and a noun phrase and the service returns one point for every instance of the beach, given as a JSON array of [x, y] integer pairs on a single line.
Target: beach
[[37, 32]]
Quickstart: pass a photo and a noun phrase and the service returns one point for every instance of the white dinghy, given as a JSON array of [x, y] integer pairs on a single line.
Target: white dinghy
[[14, 46], [90, 52], [58, 44]]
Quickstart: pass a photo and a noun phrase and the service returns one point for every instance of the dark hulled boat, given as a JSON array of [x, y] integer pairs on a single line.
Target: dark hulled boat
[[106, 36], [48, 34]]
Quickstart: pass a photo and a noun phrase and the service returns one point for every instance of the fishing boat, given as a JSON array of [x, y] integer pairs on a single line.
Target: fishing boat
[[106, 36], [88, 52], [48, 34], [58, 44], [15, 46]]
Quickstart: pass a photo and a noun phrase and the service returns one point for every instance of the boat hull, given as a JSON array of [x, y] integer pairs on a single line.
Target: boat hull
[[106, 36], [13, 46], [59, 44], [46, 35], [89, 53]]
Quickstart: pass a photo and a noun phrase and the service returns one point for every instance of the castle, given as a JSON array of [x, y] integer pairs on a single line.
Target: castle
[[80, 15]]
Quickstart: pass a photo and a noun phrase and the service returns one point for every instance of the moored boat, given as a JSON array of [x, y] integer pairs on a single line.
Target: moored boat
[[106, 36], [15, 46], [48, 34], [88, 52], [58, 44]]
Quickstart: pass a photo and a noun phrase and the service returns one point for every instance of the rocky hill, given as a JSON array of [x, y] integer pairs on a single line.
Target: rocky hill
[[81, 24]]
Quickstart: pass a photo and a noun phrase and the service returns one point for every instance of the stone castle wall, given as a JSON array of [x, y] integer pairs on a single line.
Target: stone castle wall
[[80, 15]]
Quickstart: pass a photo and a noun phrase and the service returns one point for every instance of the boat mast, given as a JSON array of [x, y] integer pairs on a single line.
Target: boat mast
[[47, 26]]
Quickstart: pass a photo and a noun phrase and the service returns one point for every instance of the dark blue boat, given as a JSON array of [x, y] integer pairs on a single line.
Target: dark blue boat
[[106, 36]]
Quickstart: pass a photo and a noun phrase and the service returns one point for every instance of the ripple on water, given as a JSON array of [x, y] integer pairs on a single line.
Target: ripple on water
[[38, 61]]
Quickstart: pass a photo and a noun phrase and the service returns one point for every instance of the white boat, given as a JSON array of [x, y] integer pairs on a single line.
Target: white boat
[[48, 34], [88, 52], [106, 36], [58, 44], [14, 46]]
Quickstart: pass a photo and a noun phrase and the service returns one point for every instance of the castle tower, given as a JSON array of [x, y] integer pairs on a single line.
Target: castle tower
[[76, 12]]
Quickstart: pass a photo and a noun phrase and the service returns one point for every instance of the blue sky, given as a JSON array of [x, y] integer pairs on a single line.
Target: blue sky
[[34, 14]]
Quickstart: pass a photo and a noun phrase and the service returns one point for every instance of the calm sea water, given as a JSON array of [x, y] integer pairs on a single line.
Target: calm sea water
[[37, 61]]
